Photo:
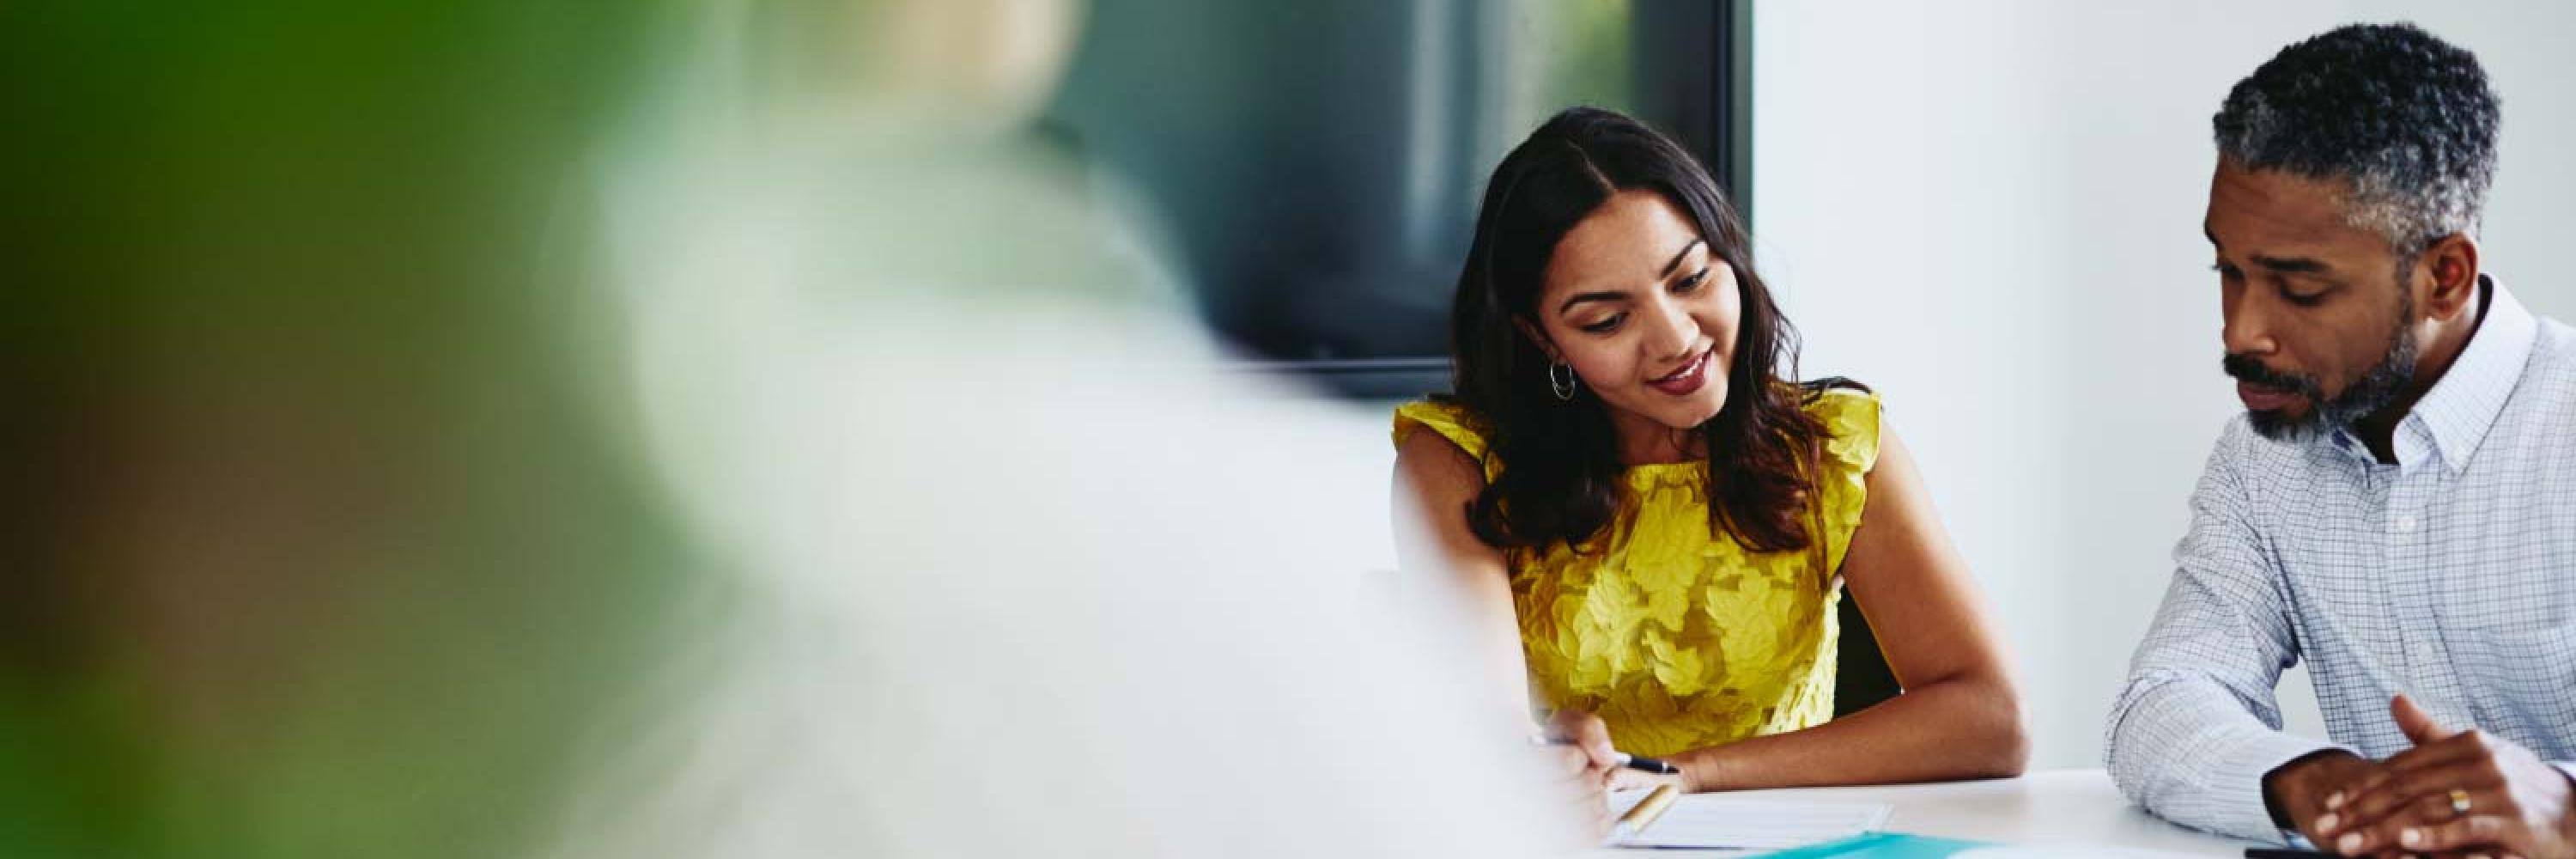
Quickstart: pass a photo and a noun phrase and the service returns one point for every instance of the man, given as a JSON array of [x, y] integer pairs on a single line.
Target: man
[[2398, 505]]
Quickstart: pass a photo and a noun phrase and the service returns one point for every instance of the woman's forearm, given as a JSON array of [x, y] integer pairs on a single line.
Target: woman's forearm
[[1954, 729]]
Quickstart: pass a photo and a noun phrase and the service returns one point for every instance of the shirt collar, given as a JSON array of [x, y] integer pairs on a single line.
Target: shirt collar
[[2452, 418]]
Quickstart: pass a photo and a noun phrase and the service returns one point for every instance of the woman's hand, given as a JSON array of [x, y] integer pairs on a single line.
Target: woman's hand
[[1586, 732], [1583, 788], [1587, 763]]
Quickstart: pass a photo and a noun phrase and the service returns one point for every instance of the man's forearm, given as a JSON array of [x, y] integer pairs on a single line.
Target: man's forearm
[[2183, 748]]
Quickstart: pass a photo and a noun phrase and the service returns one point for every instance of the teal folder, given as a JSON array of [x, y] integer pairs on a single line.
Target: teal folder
[[1880, 845]]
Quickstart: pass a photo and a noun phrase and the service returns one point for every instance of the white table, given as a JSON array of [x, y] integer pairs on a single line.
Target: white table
[[2047, 808]]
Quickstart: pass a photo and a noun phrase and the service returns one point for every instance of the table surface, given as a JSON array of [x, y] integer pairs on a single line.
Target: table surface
[[2050, 808]]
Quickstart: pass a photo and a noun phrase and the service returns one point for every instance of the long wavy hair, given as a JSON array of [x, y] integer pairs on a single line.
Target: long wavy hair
[[1560, 471]]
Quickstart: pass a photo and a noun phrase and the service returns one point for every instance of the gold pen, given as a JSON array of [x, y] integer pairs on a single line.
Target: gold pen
[[1645, 812]]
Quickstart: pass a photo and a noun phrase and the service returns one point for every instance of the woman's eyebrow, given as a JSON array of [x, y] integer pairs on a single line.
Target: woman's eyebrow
[[1677, 258], [1582, 297]]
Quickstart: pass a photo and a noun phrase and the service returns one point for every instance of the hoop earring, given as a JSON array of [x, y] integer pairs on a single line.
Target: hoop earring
[[1564, 387]]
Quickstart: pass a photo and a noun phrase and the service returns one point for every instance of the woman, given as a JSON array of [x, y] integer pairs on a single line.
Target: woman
[[1654, 523]]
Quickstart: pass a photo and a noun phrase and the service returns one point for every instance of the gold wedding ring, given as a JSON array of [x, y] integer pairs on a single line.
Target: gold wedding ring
[[2459, 801]]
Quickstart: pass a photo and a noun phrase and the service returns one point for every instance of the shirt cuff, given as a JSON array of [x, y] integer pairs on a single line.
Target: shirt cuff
[[2236, 782]]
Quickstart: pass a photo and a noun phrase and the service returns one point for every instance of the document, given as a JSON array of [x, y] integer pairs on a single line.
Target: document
[[1721, 826]]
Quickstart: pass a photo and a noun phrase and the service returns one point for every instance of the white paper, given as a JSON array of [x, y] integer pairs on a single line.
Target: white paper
[[1736, 827]]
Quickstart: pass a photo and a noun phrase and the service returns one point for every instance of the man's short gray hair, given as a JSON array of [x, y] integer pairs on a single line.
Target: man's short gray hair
[[2404, 119]]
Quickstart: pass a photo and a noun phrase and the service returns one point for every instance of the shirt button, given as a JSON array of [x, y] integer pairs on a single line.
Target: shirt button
[[2405, 525]]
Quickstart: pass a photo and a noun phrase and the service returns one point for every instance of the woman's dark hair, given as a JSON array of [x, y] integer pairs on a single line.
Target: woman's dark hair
[[1560, 477]]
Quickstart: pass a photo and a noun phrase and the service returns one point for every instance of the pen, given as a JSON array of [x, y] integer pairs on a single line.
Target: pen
[[1657, 766]]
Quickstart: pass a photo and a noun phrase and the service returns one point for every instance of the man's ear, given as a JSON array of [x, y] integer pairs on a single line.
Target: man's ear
[[2448, 272], [1539, 337]]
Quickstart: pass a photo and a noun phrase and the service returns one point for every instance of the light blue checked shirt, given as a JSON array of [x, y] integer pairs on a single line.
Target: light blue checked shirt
[[2449, 576]]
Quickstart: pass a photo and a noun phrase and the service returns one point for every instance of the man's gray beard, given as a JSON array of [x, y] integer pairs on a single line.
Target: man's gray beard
[[2366, 396]]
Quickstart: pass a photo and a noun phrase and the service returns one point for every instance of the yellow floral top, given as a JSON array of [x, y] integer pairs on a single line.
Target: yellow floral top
[[1676, 637]]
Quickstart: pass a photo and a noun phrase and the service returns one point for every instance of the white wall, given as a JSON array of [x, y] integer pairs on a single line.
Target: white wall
[[1990, 211]]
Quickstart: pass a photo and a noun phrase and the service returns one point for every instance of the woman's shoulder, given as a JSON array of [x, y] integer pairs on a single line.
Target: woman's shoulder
[[1850, 416], [1836, 398], [1455, 422]]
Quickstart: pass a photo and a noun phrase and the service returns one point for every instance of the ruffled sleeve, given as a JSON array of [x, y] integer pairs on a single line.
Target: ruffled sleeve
[[1452, 422], [1852, 419]]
